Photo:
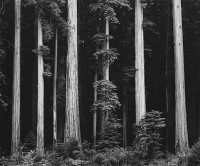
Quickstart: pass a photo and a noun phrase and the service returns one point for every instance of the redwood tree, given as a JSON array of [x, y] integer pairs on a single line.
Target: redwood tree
[[72, 121], [16, 81], [139, 63], [181, 121], [40, 101]]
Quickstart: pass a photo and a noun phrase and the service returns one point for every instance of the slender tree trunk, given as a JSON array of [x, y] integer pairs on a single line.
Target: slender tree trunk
[[72, 120], [95, 99], [95, 112], [181, 121], [139, 63], [105, 74], [125, 118], [40, 104], [55, 91], [16, 81]]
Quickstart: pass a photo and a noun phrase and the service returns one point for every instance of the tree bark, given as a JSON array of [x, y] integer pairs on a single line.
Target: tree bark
[[105, 75], [72, 121], [40, 104], [181, 121], [140, 100], [16, 81], [55, 91]]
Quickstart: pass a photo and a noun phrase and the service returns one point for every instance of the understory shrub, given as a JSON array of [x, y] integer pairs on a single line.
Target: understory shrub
[[194, 155], [117, 157], [147, 136]]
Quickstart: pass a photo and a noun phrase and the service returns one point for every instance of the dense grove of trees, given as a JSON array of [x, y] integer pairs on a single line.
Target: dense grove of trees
[[91, 69]]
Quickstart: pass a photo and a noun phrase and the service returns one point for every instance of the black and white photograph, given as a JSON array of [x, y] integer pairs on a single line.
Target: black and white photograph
[[99, 82]]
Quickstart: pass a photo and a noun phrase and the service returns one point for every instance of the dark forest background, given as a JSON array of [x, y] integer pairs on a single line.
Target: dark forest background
[[159, 69]]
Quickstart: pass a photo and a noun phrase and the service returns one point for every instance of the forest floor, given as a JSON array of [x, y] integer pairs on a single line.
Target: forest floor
[[71, 156]]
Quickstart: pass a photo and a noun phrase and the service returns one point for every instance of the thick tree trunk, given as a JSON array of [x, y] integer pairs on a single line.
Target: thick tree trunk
[[181, 121], [40, 104], [16, 81], [139, 63], [55, 91], [72, 120]]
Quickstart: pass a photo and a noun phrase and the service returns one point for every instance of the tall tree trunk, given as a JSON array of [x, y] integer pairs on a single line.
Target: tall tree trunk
[[105, 75], [95, 99], [40, 103], [72, 120], [181, 121], [55, 91], [140, 100], [16, 81], [125, 104], [95, 112]]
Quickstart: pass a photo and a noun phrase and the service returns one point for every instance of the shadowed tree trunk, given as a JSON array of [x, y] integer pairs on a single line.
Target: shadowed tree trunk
[[72, 121], [40, 103], [125, 105], [181, 121], [139, 63], [16, 81], [95, 112]]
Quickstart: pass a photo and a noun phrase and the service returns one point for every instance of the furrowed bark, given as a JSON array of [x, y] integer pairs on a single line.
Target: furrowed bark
[[72, 121], [40, 104], [16, 82], [140, 100], [181, 119]]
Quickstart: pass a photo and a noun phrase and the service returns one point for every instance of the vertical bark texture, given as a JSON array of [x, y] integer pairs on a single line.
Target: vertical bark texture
[[181, 121], [105, 75], [40, 104], [72, 121], [16, 81], [139, 63], [55, 91]]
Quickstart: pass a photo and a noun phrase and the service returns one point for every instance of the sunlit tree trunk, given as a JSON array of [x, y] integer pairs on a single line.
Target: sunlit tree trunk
[[55, 91], [40, 103], [16, 81], [105, 75], [72, 120], [181, 121], [140, 101]]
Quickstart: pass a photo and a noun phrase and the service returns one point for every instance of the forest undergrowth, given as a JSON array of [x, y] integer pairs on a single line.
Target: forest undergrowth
[[145, 150]]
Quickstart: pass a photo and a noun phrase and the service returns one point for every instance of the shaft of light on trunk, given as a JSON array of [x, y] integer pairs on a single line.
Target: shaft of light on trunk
[[40, 104], [140, 100], [72, 121], [181, 120]]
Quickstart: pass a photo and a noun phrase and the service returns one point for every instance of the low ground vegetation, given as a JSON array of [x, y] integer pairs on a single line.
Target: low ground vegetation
[[145, 150]]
